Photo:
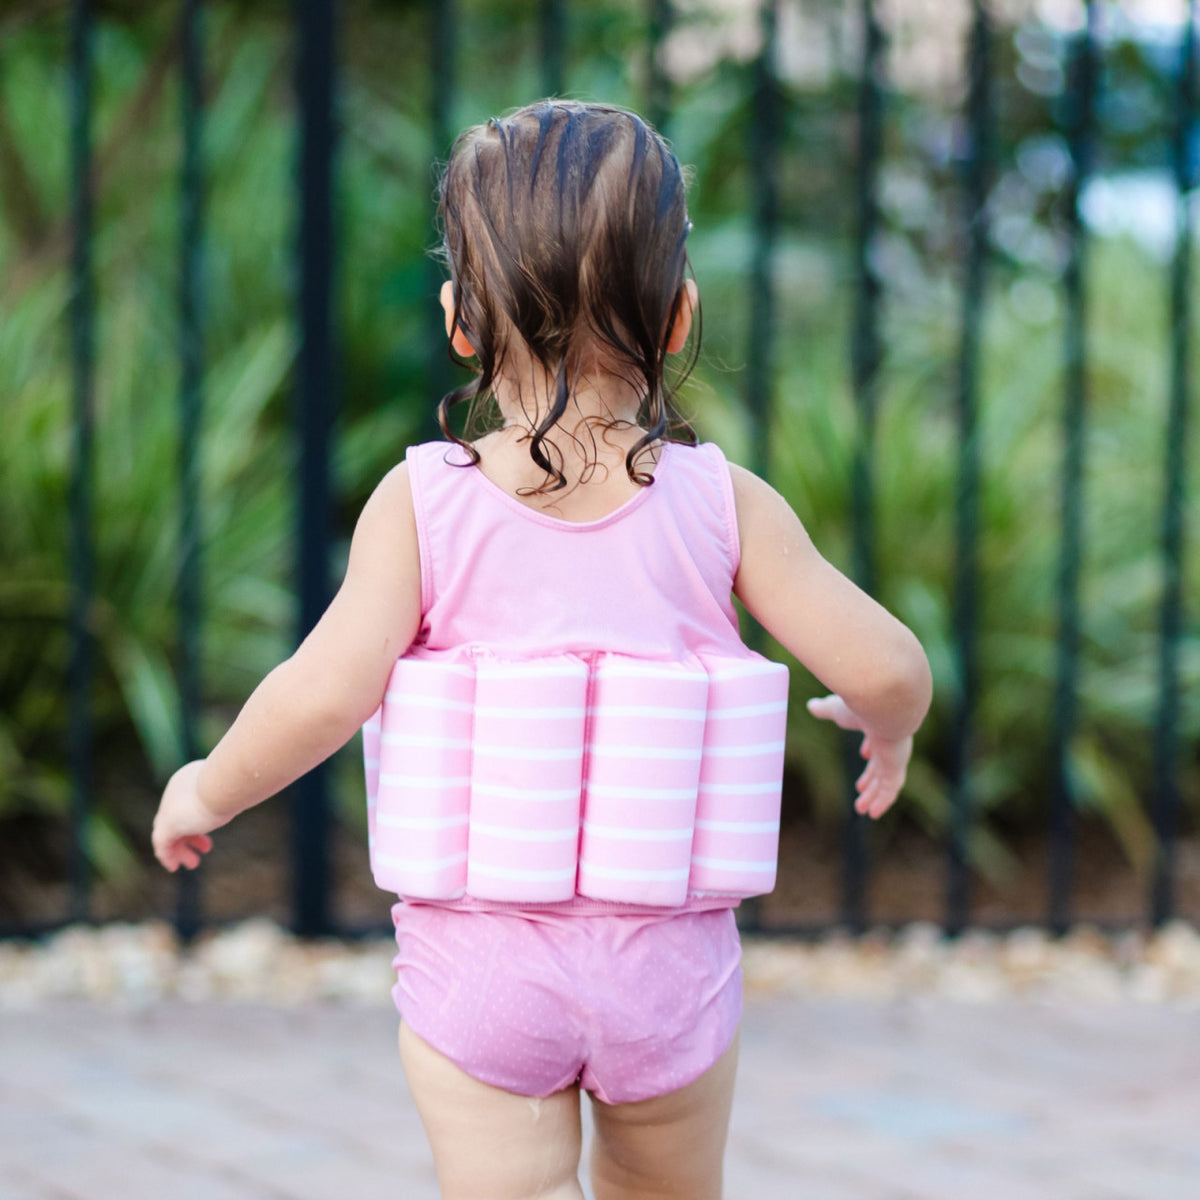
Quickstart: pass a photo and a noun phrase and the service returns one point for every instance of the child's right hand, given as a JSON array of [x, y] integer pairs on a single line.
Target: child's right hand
[[887, 760], [183, 821]]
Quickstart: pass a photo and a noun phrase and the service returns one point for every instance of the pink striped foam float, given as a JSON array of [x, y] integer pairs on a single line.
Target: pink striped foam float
[[614, 777]]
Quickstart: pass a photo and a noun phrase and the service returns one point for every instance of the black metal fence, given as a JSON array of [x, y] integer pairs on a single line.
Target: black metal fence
[[316, 27]]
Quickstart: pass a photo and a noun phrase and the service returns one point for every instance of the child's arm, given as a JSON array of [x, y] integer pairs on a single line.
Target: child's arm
[[854, 646], [315, 701]]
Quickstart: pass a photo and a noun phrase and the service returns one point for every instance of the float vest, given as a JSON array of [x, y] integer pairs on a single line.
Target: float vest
[[615, 778], [578, 716]]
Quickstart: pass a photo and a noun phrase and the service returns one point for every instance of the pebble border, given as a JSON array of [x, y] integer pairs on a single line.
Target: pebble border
[[258, 961]]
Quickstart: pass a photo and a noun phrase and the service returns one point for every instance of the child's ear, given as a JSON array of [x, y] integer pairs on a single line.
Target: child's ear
[[682, 325], [459, 341]]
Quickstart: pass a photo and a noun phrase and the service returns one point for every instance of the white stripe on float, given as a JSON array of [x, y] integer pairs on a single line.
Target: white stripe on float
[[621, 792], [394, 822], [420, 864], [730, 864], [600, 749], [648, 710], [630, 873], [744, 751], [542, 795], [748, 710], [551, 714], [478, 868], [421, 740], [555, 755], [431, 781], [740, 789], [638, 835], [524, 835], [738, 826], [765, 669]]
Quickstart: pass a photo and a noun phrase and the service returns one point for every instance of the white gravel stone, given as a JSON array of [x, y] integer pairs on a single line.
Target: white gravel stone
[[259, 961], [1177, 950]]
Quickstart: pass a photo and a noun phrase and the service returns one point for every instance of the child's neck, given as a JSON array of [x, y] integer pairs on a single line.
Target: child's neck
[[596, 402]]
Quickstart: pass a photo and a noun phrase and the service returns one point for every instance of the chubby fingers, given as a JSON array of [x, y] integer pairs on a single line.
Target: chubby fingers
[[184, 851], [876, 800], [833, 708], [187, 851], [878, 788]]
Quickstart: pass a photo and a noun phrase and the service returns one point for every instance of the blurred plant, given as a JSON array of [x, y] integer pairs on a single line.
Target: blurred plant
[[386, 182]]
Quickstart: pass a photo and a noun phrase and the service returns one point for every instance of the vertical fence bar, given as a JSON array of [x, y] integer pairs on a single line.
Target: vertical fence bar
[[1081, 101], [316, 408], [442, 37], [1166, 742], [658, 90], [80, 670], [866, 356], [764, 170], [551, 46], [191, 360], [966, 566], [760, 368]]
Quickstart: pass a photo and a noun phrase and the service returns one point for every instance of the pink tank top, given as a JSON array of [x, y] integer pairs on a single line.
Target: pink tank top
[[652, 580]]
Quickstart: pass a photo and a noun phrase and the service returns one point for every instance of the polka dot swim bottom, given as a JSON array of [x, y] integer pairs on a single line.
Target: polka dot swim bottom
[[629, 1006]]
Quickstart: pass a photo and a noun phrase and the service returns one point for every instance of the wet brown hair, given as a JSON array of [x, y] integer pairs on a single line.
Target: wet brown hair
[[564, 228]]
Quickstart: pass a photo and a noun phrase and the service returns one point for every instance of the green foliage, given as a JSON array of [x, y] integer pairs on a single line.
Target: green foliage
[[388, 339]]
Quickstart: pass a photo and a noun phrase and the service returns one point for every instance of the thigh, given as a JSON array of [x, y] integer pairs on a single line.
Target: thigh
[[490, 1144], [668, 1146]]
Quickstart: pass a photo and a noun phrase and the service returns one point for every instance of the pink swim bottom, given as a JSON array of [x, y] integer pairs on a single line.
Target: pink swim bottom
[[629, 1006]]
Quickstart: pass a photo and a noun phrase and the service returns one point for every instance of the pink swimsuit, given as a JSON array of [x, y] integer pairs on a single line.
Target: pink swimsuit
[[631, 1000]]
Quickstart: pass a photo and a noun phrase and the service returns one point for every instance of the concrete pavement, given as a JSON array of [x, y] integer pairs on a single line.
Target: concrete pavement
[[915, 1098]]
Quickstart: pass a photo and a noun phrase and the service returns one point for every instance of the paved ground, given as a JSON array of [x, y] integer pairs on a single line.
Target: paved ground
[[918, 1099]]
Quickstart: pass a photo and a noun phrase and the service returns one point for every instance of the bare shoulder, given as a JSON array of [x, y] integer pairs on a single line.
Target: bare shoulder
[[751, 488], [387, 526], [748, 488], [762, 513], [392, 499], [394, 489]]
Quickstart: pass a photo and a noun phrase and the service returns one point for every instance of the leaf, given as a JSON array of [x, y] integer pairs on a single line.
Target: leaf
[[150, 694], [107, 849], [1103, 785]]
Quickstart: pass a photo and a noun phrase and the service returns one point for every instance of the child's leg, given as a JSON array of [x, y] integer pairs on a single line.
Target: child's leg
[[489, 1144], [669, 1147]]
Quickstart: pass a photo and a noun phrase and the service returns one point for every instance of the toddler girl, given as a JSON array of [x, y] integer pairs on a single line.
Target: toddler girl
[[589, 525]]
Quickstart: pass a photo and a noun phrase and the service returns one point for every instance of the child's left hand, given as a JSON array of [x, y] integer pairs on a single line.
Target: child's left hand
[[183, 822], [887, 758]]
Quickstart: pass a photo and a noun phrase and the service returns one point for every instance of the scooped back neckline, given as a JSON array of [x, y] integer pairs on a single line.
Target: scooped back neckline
[[622, 510]]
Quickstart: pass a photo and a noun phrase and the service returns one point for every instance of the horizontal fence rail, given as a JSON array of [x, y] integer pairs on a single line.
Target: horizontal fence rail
[[316, 25]]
